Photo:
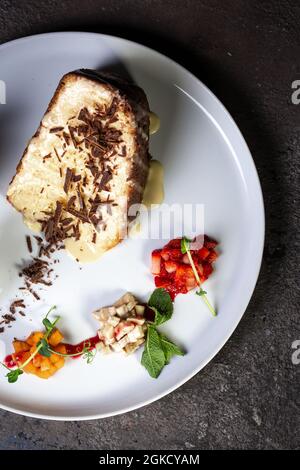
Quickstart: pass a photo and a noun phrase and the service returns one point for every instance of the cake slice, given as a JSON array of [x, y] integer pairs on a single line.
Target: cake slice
[[86, 165]]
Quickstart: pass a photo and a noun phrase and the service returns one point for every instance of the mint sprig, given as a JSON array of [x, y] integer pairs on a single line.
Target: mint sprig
[[159, 349]]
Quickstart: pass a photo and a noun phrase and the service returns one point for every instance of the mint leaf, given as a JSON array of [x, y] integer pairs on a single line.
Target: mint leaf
[[14, 375], [162, 305], [170, 349], [184, 245], [153, 358], [44, 349], [158, 318]]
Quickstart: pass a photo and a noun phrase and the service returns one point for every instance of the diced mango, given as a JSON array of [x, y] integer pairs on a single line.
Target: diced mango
[[61, 348], [41, 366], [54, 358], [31, 369], [45, 364], [34, 337], [60, 363], [20, 346], [55, 338], [37, 360], [43, 374]]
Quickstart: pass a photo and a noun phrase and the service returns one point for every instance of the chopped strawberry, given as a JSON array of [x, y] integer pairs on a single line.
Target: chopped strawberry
[[199, 268], [191, 283], [209, 243], [185, 259], [173, 254], [203, 253], [213, 255], [161, 281], [207, 269], [156, 262], [165, 255], [172, 268], [175, 243]]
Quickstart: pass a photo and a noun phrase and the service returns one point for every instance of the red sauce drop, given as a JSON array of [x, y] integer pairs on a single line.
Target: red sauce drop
[[9, 361], [78, 348]]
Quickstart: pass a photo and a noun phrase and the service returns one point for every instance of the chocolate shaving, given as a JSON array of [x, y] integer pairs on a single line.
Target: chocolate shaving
[[96, 144], [67, 221], [72, 135], [77, 232], [68, 180], [49, 155], [15, 304], [80, 199], [71, 202], [8, 318], [35, 295], [67, 138], [53, 130], [29, 244], [49, 229], [76, 178], [57, 156], [94, 239], [84, 115], [112, 109], [78, 214], [104, 180], [57, 214]]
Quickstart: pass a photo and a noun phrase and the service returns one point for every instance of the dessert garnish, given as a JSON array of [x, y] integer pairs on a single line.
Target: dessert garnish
[[159, 350], [124, 327], [180, 266], [43, 353]]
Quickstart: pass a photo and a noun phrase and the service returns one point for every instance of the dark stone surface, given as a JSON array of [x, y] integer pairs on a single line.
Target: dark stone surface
[[248, 53]]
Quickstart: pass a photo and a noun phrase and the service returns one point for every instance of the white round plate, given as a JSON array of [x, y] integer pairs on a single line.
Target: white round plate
[[206, 161]]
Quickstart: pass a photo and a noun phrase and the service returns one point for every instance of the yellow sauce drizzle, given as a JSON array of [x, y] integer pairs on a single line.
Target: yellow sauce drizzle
[[154, 123], [154, 191]]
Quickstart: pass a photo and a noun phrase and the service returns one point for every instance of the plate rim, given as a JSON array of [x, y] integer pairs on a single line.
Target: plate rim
[[260, 234]]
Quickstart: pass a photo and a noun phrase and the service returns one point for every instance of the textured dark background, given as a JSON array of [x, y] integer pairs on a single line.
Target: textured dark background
[[248, 53]]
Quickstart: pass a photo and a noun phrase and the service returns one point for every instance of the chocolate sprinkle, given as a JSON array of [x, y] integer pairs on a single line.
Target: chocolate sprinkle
[[53, 130], [104, 180], [68, 180], [78, 214], [56, 153], [29, 244]]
